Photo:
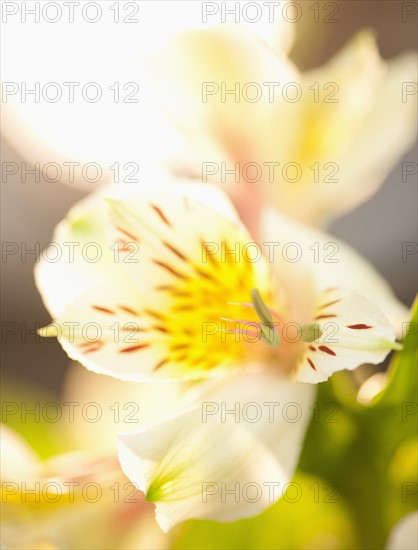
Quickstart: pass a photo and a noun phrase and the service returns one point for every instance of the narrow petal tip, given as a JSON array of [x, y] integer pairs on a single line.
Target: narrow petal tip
[[50, 331]]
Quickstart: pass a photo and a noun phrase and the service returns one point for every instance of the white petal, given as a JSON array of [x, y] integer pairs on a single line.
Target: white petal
[[219, 126], [130, 127], [80, 137], [265, 22], [404, 535], [386, 134], [80, 239], [105, 331], [323, 262], [170, 222], [354, 132], [354, 331], [180, 461], [146, 313]]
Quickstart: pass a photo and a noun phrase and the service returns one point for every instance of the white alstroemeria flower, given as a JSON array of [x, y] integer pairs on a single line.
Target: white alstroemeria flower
[[404, 536], [72, 500], [316, 143], [169, 302]]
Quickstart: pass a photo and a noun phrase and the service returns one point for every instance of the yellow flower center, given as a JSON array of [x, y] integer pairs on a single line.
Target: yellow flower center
[[211, 318]]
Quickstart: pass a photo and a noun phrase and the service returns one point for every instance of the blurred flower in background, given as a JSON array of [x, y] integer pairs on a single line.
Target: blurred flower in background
[[214, 94], [314, 144], [78, 498], [127, 124], [72, 500]]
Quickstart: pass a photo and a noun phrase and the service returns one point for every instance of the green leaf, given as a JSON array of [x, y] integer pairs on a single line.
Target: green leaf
[[402, 386]]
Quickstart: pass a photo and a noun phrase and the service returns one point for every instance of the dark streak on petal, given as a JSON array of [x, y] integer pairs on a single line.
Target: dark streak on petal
[[330, 304], [93, 346], [161, 329], [93, 343], [160, 364], [133, 348], [134, 329], [179, 346], [186, 307], [90, 350], [104, 310], [170, 288], [203, 274], [360, 326], [325, 317], [175, 251], [311, 364], [161, 214], [128, 310], [130, 235], [326, 349], [154, 314], [170, 269]]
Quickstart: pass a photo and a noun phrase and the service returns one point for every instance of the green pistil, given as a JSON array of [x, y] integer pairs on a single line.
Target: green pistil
[[310, 332], [269, 335], [268, 332], [260, 307]]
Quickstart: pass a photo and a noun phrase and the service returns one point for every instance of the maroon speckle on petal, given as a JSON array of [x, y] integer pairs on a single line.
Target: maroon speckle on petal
[[329, 304], [160, 364], [89, 347], [360, 326], [127, 309], [311, 364], [133, 348], [170, 269], [161, 214], [128, 234], [326, 349], [330, 316], [175, 250], [104, 309]]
